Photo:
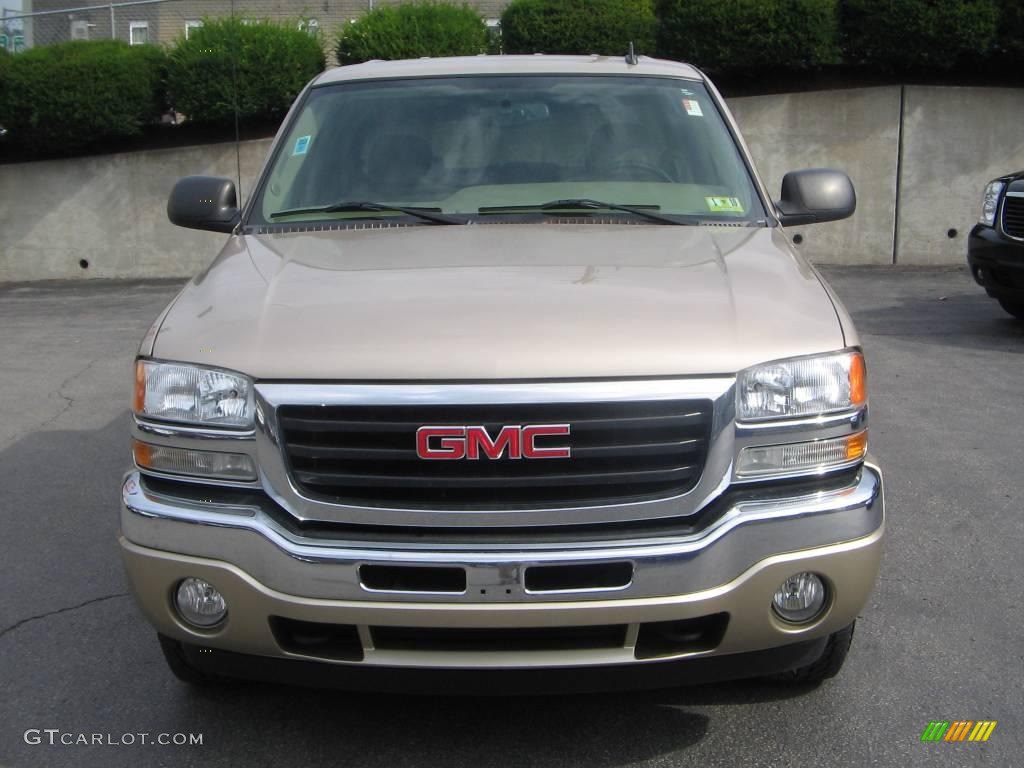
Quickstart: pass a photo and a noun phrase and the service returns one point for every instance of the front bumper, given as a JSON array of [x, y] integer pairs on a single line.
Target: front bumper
[[504, 682], [730, 567], [996, 263]]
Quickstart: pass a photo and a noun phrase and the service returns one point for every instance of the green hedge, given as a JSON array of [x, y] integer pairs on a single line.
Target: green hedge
[[1010, 41], [260, 67], [60, 98], [579, 26], [897, 36], [413, 30], [747, 35], [5, 65], [153, 60]]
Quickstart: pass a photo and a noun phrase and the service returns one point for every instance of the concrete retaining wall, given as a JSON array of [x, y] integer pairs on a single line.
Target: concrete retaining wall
[[856, 131], [918, 156], [111, 212], [954, 141]]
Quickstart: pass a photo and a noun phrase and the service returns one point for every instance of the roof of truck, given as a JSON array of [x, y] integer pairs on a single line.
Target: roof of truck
[[537, 64]]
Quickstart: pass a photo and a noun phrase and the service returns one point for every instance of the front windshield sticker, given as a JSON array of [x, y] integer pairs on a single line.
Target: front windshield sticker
[[724, 204], [301, 145], [692, 107]]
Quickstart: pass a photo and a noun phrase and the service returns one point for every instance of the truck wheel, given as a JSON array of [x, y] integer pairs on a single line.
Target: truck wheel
[[1015, 308], [827, 665], [181, 668]]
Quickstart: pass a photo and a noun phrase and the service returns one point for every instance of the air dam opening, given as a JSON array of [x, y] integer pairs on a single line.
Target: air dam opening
[[671, 638], [567, 578], [498, 640], [401, 578], [325, 641]]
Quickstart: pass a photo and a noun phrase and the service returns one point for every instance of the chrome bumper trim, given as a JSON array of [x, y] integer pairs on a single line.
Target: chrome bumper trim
[[746, 533]]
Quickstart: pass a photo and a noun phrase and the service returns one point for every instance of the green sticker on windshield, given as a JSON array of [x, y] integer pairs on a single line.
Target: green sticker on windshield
[[724, 204]]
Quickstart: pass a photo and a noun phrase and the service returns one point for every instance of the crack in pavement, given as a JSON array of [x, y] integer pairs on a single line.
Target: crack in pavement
[[61, 610], [69, 402]]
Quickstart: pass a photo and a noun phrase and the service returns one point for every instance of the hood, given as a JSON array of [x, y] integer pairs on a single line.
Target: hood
[[501, 301]]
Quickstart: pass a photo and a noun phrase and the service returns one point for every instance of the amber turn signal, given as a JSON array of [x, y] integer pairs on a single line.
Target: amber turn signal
[[804, 458], [857, 446], [858, 380], [196, 463], [139, 397]]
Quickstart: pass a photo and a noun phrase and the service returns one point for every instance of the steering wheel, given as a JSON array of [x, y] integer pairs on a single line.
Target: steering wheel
[[639, 165]]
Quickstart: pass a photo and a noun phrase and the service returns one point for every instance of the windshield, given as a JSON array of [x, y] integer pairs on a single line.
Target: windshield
[[509, 146]]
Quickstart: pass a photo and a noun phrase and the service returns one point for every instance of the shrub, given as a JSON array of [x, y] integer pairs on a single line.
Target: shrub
[[745, 35], [896, 36], [5, 63], [1009, 47], [412, 30], [259, 68], [579, 26], [61, 98], [153, 60]]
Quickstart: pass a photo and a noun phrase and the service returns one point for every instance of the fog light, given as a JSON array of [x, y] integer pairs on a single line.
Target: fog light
[[799, 598], [199, 603]]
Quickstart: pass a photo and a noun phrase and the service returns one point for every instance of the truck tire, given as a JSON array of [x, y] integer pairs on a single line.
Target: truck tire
[[827, 665], [1015, 308], [180, 667]]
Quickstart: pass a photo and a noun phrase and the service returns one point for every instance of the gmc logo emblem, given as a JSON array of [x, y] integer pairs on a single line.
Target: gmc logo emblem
[[513, 442]]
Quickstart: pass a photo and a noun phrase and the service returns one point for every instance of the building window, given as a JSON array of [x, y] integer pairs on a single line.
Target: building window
[[191, 24], [494, 31], [138, 32]]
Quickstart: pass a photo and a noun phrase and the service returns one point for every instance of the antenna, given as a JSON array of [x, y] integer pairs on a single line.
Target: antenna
[[631, 58], [234, 85]]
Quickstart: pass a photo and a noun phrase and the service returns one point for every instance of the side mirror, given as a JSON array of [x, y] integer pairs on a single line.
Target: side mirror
[[204, 202], [816, 195]]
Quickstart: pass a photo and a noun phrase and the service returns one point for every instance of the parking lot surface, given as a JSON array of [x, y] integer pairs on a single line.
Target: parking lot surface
[[941, 638]]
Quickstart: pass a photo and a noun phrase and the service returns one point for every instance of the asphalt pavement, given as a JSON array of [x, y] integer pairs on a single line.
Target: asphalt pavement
[[941, 638]]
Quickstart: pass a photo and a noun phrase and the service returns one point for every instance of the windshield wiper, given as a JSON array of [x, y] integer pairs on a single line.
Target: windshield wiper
[[645, 211], [433, 215]]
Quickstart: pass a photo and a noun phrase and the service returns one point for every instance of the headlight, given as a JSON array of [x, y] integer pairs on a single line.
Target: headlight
[[802, 387], [990, 203], [191, 394]]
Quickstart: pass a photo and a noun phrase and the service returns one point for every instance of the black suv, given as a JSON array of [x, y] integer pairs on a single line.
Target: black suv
[[995, 248]]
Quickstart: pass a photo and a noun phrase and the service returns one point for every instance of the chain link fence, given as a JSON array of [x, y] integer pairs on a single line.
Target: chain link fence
[[152, 21], [163, 21]]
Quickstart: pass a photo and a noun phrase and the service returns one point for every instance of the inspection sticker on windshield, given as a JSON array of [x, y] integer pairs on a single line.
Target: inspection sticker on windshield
[[724, 204], [301, 145], [692, 107]]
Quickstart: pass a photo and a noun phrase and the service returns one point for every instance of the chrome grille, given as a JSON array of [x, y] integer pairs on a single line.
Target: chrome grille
[[620, 452], [1013, 216]]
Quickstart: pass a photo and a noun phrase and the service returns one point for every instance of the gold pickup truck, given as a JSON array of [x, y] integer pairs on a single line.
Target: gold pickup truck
[[508, 375]]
